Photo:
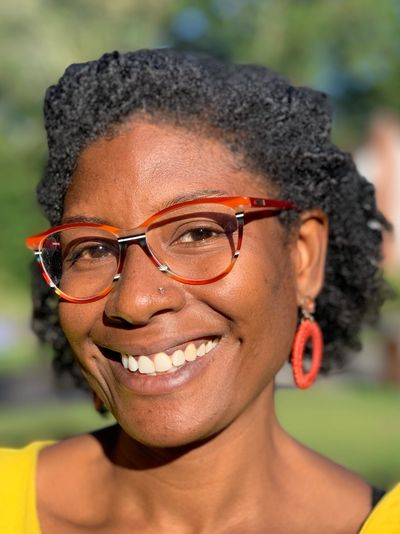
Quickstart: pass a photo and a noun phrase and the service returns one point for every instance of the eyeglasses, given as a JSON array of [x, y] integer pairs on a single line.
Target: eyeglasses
[[194, 242]]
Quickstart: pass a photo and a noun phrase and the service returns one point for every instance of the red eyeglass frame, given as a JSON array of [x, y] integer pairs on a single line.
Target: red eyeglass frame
[[138, 235]]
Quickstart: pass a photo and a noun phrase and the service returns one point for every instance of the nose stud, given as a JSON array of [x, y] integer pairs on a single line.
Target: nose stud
[[161, 290]]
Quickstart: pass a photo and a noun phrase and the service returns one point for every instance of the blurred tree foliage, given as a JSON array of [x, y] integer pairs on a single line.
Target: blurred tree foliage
[[348, 48]]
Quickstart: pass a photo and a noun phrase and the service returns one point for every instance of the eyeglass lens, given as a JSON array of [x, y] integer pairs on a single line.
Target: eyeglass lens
[[195, 242]]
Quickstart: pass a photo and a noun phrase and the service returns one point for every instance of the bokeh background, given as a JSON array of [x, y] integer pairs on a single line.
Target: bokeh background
[[347, 48]]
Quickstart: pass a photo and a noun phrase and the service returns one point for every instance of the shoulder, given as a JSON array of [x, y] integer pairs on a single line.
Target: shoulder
[[385, 517], [67, 474], [71, 454], [17, 487], [337, 499], [66, 461]]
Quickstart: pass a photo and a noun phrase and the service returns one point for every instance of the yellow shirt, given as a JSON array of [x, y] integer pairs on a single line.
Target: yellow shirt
[[385, 517], [18, 489], [18, 496]]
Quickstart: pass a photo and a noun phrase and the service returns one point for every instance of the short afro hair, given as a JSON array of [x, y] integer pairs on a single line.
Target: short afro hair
[[282, 132]]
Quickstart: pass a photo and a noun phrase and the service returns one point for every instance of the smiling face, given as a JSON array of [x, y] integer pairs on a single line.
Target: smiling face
[[245, 321]]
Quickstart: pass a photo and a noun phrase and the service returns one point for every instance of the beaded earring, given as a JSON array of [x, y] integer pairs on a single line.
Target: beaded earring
[[99, 404], [307, 329]]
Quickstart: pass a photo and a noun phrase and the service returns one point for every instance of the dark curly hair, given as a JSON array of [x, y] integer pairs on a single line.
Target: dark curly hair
[[280, 131]]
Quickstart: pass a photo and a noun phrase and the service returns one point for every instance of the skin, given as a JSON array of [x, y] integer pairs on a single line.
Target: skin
[[209, 455]]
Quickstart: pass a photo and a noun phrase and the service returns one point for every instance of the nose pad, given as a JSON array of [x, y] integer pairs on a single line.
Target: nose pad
[[141, 241], [136, 296]]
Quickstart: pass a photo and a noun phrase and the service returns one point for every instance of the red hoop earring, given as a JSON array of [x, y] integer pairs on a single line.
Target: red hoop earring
[[99, 404], [307, 329]]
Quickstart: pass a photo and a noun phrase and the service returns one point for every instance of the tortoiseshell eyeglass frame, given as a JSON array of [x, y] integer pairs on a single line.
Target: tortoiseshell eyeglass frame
[[138, 235]]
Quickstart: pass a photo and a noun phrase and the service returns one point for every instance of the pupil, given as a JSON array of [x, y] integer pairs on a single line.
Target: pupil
[[201, 233]]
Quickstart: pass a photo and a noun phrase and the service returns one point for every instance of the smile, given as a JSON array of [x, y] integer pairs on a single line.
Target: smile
[[161, 362]]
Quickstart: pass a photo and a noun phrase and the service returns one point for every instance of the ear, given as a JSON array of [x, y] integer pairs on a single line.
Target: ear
[[310, 247]]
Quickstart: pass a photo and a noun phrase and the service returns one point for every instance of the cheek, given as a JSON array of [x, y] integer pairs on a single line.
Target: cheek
[[77, 320], [259, 297]]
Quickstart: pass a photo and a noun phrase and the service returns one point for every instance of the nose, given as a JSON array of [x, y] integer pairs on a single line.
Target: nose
[[142, 291]]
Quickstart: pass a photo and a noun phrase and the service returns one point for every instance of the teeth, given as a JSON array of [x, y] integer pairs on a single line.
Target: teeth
[[132, 364], [146, 366], [190, 352], [162, 362], [178, 358], [201, 350]]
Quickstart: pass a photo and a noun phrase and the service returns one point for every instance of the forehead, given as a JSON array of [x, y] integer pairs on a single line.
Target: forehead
[[148, 166]]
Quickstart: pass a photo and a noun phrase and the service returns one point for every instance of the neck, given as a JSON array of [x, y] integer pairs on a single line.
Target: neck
[[209, 483]]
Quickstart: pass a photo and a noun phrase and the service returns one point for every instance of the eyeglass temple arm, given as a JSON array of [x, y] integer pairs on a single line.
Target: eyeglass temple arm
[[270, 203], [32, 243]]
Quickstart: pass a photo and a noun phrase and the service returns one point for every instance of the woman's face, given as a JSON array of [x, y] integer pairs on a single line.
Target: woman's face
[[251, 313]]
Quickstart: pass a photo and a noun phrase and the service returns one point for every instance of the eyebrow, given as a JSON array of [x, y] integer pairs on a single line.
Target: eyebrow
[[84, 218], [193, 195]]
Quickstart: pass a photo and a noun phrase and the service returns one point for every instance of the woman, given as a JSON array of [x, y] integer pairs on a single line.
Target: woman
[[181, 337]]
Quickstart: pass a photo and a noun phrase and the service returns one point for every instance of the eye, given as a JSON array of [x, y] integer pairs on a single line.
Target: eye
[[200, 234], [90, 252], [189, 232], [197, 233]]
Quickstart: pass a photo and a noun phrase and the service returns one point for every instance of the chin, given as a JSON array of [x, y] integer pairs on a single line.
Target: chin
[[175, 433]]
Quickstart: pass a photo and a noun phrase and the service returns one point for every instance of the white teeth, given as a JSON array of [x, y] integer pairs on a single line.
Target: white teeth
[[201, 350], [190, 352], [178, 358], [146, 366], [132, 364], [162, 362]]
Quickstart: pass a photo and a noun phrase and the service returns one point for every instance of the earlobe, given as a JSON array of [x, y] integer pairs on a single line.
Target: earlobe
[[310, 253]]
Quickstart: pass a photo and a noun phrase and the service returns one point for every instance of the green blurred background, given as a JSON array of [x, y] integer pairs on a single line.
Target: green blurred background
[[348, 48]]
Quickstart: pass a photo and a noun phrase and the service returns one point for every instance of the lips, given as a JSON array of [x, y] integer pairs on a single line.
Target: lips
[[180, 363], [162, 362]]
